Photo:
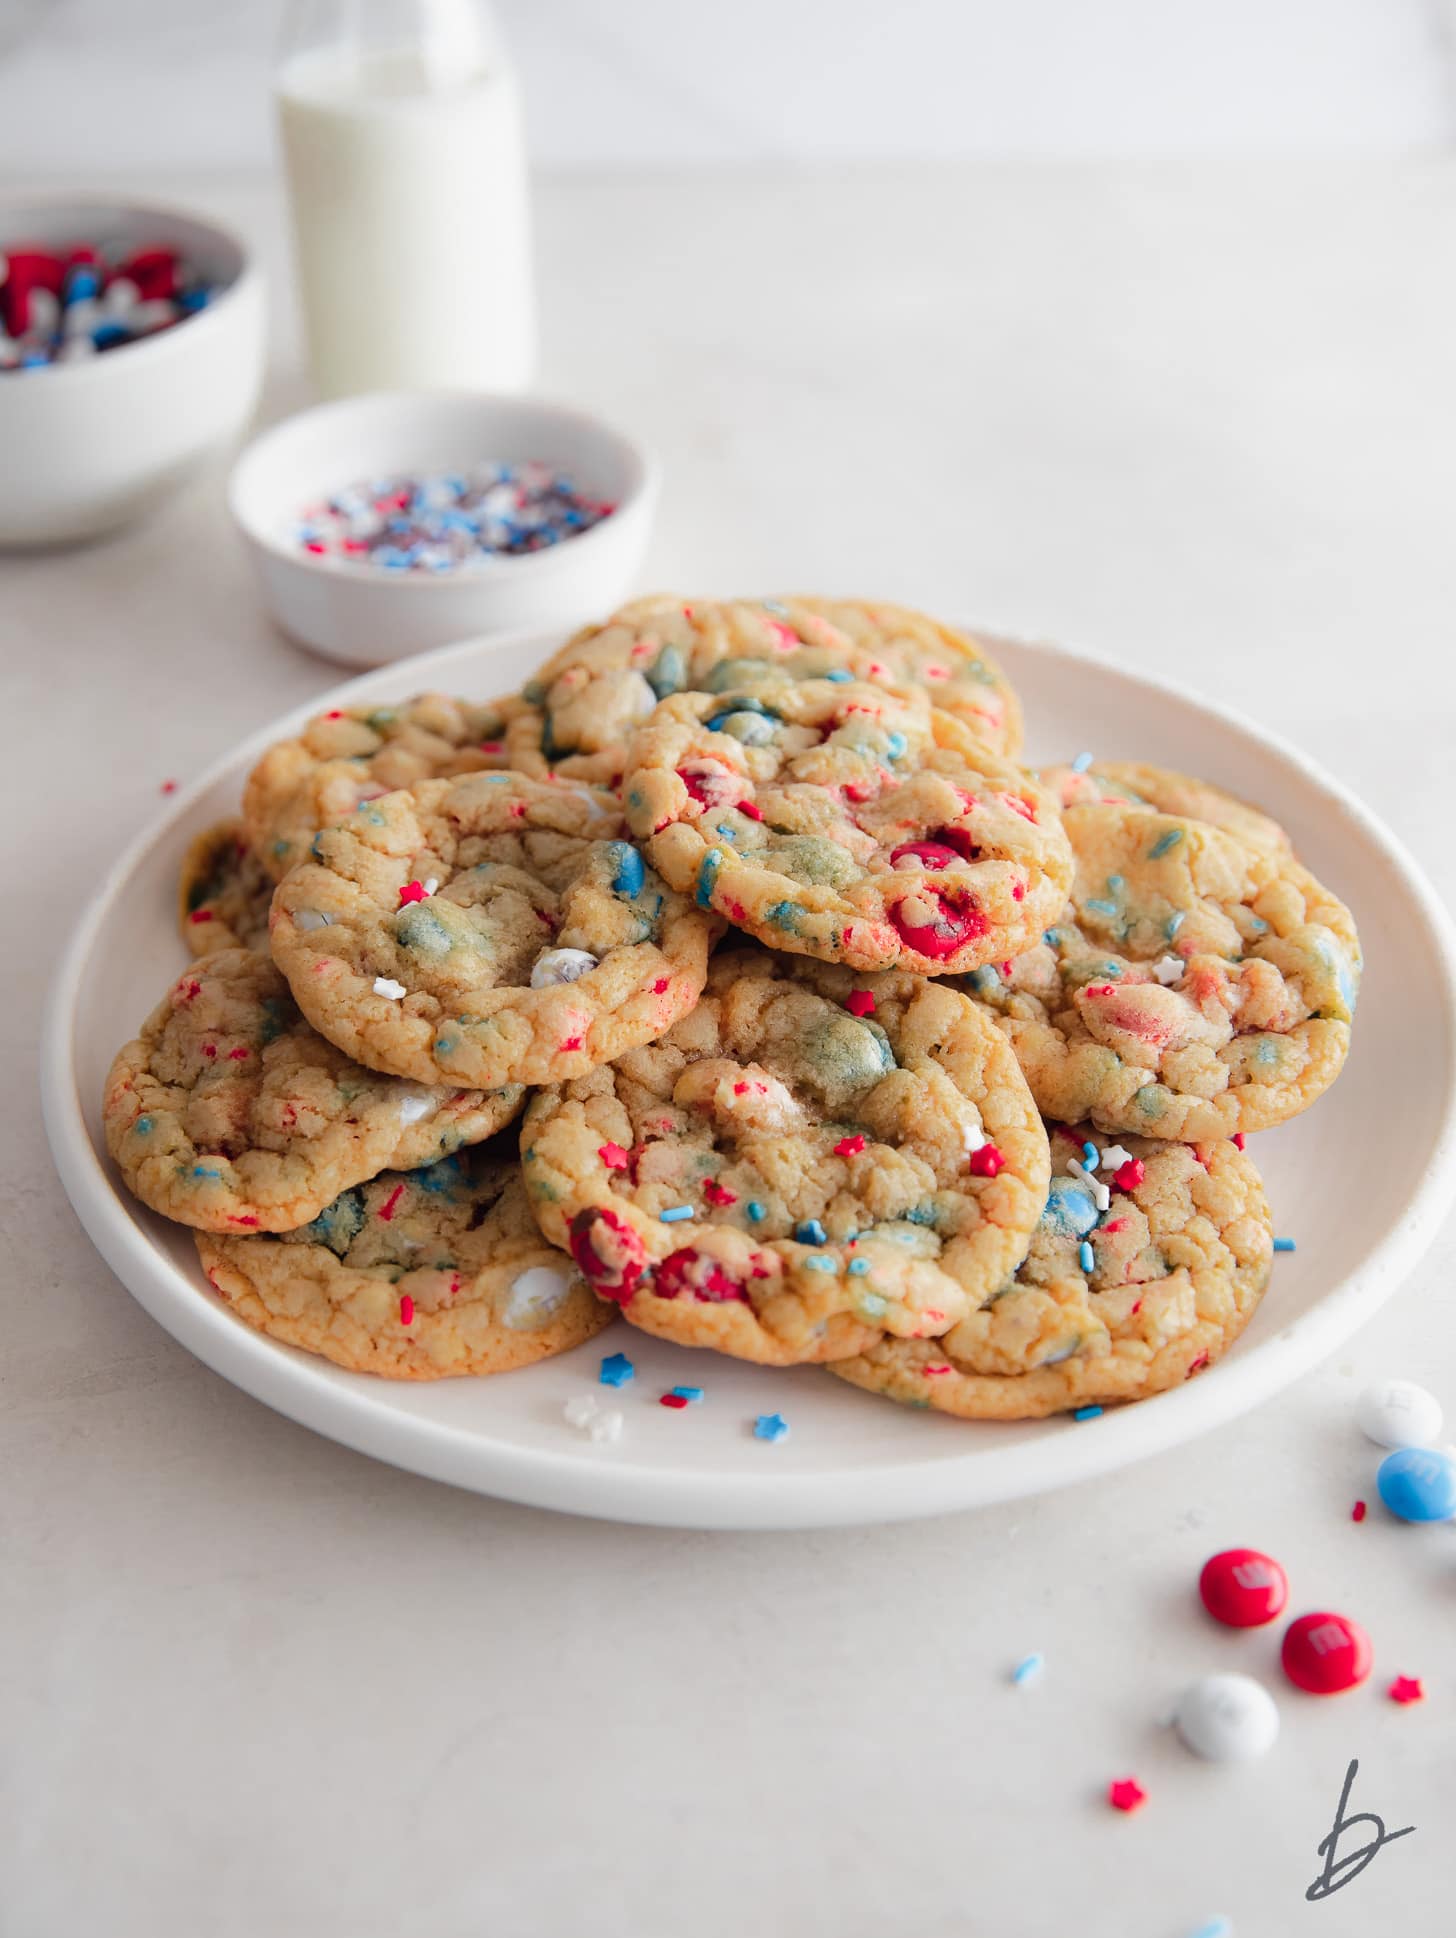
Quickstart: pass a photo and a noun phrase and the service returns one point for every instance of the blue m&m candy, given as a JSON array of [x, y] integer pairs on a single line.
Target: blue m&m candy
[[1418, 1484]]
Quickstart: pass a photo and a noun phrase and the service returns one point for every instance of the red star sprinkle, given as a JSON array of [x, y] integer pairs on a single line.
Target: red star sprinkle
[[849, 1147], [1130, 1175], [986, 1162], [1357, 1512], [412, 892], [613, 1156], [718, 1194], [1126, 1794], [859, 1002], [1406, 1689]]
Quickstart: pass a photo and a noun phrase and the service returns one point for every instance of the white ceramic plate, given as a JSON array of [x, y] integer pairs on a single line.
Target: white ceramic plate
[[849, 1457]]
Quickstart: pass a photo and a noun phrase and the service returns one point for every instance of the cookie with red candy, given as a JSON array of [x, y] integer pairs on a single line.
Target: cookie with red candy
[[833, 819], [807, 1162]]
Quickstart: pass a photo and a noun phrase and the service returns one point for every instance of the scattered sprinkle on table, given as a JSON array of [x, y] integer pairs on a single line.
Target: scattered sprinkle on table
[[1126, 1793], [1406, 1689], [1357, 1512], [1028, 1669], [673, 1399], [1284, 1244], [617, 1370], [770, 1426], [1088, 1413], [690, 1395], [1216, 1927], [448, 521]]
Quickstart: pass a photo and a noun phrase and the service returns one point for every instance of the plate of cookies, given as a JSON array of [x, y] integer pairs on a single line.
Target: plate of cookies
[[789, 1062]]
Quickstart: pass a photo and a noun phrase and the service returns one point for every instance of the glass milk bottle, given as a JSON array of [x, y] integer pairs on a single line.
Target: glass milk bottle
[[402, 138]]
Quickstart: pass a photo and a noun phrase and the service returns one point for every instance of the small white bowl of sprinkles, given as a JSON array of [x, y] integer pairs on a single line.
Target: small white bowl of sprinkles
[[384, 525]]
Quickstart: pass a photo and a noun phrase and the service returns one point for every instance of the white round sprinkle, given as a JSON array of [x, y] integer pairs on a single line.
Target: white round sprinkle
[[386, 986], [310, 918], [560, 965], [535, 1295], [1227, 1719], [1398, 1413], [1169, 969]]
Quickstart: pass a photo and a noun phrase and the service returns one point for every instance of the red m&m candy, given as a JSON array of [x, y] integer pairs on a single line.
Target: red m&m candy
[[1243, 1588], [1325, 1653]]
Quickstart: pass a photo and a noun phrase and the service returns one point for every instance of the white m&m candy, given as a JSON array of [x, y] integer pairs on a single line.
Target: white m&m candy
[[560, 965], [1227, 1719], [1398, 1413]]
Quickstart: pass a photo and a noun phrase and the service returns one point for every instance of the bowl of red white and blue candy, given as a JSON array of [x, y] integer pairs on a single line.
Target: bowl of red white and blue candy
[[131, 348], [383, 525]]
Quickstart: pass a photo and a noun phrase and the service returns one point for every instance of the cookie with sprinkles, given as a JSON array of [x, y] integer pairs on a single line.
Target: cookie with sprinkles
[[807, 1161], [1193, 987], [587, 700], [1149, 1260], [223, 892], [351, 755], [839, 821], [414, 1275], [229, 1113], [488, 930], [1136, 783]]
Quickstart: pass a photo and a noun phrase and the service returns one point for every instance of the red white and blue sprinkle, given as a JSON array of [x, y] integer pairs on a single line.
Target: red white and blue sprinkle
[[1028, 1669], [770, 1426], [690, 1394], [448, 521], [675, 1214], [1088, 1413], [617, 1370], [1085, 1256], [1284, 1244]]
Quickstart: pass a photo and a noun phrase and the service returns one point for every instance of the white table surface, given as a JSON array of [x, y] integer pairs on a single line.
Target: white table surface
[[1199, 420]]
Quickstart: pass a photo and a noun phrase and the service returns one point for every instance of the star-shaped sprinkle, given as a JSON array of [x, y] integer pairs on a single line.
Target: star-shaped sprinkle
[[1131, 1174], [770, 1426], [849, 1147], [613, 1156], [1114, 1157], [1126, 1794], [718, 1194], [386, 986], [985, 1162], [859, 1002], [1169, 969], [1406, 1689], [617, 1370], [412, 892]]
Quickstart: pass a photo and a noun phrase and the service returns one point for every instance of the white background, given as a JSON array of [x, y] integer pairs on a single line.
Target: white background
[[183, 82]]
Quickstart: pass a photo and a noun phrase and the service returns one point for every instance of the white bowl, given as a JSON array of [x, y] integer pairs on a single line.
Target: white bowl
[[1363, 1209], [364, 616], [91, 446]]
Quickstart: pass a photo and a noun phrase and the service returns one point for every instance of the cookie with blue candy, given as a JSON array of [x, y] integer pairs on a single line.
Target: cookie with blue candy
[[414, 1275], [489, 930], [807, 1162], [1148, 1261]]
